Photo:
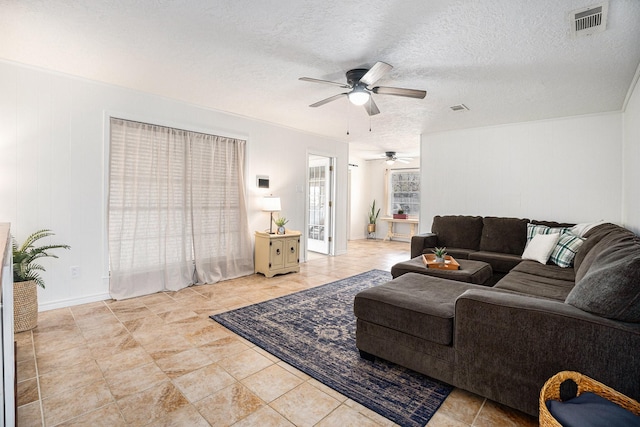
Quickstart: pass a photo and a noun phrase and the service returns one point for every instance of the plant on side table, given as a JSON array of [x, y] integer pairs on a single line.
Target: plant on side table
[[280, 222], [26, 278]]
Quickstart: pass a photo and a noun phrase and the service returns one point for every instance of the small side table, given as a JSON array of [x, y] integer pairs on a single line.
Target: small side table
[[277, 253], [391, 221]]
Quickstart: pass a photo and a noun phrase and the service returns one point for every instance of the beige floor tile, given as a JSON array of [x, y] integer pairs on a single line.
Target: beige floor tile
[[305, 405], [229, 405], [264, 417], [75, 402], [346, 417], [152, 404], [444, 420], [53, 341], [224, 348], [48, 362], [272, 382], [243, 364], [135, 380], [26, 369], [117, 343], [184, 362], [187, 416], [462, 405], [108, 415], [203, 382], [70, 378], [160, 345], [123, 361], [29, 415], [27, 392], [379, 419], [493, 414]]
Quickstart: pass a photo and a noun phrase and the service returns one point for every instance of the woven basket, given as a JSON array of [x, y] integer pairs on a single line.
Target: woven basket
[[551, 391], [25, 306]]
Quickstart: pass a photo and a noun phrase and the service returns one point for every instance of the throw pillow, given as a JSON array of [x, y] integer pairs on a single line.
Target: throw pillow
[[566, 249], [540, 247], [611, 286], [581, 229], [533, 229]]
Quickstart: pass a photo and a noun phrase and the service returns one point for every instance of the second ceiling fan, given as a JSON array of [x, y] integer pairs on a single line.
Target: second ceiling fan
[[361, 81]]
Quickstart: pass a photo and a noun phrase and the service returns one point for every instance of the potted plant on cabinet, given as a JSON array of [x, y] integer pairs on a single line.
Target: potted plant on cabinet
[[26, 278], [373, 218], [280, 222]]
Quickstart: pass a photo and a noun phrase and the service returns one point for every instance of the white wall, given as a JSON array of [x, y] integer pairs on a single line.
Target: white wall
[[359, 198], [567, 170], [53, 160], [631, 158]]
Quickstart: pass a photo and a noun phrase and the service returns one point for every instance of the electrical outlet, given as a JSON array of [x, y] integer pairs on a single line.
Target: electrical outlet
[[75, 272]]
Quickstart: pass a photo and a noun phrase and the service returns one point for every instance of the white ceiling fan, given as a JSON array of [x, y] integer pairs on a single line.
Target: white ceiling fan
[[391, 157]]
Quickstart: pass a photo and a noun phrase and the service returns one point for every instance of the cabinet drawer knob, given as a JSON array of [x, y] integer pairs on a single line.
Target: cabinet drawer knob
[[277, 251], [293, 249]]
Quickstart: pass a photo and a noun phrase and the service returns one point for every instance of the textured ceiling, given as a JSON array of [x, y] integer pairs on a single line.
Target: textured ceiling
[[507, 60]]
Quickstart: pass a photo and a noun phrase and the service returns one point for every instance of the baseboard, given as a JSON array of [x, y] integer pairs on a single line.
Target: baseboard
[[73, 301]]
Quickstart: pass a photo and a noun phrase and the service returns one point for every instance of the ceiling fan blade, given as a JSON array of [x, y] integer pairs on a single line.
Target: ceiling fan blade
[[405, 161], [374, 74], [327, 100], [371, 107], [309, 79], [398, 91]]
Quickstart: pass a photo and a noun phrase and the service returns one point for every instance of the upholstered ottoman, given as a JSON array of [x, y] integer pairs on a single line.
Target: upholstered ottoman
[[476, 272], [409, 321]]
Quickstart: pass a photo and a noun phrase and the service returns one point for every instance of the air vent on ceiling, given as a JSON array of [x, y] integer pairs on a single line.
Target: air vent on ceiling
[[459, 107], [591, 20]]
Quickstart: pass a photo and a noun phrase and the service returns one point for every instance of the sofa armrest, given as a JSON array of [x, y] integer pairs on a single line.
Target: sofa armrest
[[507, 346], [421, 241]]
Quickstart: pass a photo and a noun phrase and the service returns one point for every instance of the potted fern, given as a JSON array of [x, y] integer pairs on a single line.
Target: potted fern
[[26, 278]]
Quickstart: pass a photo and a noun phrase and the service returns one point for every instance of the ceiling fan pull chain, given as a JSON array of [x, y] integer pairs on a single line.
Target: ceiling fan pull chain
[[348, 121]]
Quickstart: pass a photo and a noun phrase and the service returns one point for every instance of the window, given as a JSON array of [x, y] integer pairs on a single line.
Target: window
[[403, 191]]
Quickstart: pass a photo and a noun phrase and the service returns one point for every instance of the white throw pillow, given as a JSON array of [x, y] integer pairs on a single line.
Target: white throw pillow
[[540, 247], [581, 229]]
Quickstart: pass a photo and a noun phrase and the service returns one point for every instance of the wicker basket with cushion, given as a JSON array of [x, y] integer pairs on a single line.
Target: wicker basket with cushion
[[551, 391]]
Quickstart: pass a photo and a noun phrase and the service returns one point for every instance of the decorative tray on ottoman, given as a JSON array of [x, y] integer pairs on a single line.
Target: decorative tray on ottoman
[[450, 262]]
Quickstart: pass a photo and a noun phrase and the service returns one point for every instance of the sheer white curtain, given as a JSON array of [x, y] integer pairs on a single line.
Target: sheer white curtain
[[177, 213]]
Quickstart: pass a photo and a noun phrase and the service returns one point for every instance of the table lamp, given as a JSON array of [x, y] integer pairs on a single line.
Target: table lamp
[[271, 204]]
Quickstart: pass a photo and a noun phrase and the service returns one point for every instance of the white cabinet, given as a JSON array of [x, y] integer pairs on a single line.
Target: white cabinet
[[277, 253]]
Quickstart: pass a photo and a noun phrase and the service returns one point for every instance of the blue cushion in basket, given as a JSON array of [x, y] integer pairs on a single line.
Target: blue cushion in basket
[[591, 410]]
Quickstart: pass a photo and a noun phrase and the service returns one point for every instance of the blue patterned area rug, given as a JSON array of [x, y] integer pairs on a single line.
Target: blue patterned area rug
[[315, 331]]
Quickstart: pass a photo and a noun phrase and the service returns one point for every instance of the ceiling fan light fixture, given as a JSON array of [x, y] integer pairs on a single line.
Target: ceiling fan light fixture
[[359, 96], [390, 162]]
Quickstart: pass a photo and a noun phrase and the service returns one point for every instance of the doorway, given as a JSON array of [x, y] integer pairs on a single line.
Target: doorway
[[320, 213]]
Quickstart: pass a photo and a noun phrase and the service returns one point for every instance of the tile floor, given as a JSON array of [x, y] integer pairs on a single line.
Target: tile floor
[[158, 360]]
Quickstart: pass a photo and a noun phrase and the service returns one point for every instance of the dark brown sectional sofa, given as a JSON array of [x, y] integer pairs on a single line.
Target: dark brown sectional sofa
[[505, 341]]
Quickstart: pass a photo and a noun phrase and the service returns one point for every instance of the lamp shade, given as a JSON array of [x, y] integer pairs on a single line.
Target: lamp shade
[[271, 204]]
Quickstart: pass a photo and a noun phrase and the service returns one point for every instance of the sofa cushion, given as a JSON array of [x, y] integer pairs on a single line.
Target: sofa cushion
[[540, 247], [419, 305], [597, 240], [458, 231], [504, 235], [565, 250], [611, 286], [550, 271], [500, 263], [536, 285]]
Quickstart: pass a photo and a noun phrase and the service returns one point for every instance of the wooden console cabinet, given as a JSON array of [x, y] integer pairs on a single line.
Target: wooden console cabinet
[[277, 253]]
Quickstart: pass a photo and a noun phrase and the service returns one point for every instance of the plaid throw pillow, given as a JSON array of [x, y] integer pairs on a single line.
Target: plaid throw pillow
[[533, 229], [566, 249]]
